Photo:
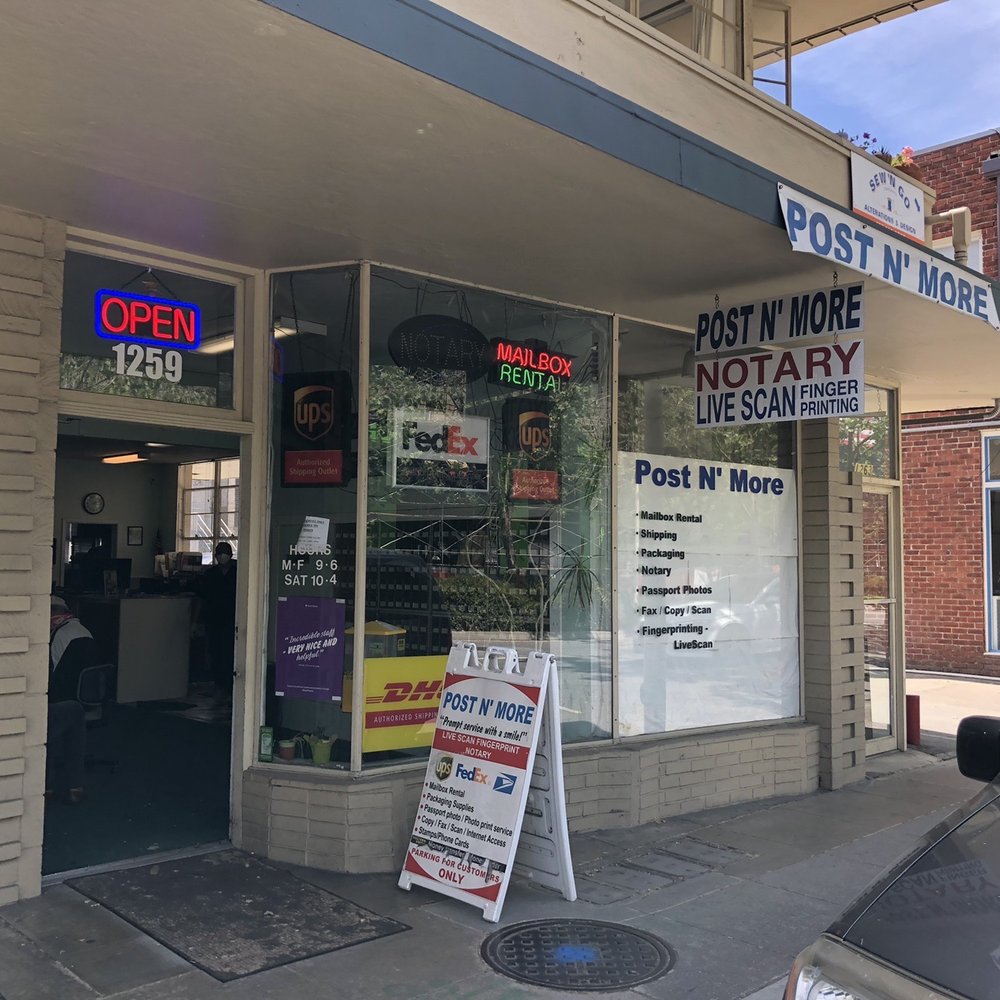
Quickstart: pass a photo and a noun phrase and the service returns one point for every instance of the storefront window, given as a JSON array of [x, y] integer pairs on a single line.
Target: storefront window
[[313, 515], [208, 505], [488, 498], [707, 553], [868, 443], [145, 332]]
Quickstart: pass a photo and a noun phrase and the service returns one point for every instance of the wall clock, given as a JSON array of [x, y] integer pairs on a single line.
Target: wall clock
[[93, 503]]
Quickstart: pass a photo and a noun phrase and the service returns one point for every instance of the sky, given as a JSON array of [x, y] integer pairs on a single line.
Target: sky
[[921, 80]]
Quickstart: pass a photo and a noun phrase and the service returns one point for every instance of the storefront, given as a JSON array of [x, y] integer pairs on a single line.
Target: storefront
[[449, 337]]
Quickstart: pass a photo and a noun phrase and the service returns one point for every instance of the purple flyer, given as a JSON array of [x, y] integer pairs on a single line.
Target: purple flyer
[[309, 660]]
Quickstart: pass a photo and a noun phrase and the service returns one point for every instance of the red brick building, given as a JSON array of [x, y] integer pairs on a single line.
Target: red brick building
[[951, 498]]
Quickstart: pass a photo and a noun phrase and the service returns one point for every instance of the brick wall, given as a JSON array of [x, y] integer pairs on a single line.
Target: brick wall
[[943, 553], [31, 261], [956, 175]]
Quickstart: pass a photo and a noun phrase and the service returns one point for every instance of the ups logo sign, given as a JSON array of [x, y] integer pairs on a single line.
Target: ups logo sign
[[313, 411], [534, 432]]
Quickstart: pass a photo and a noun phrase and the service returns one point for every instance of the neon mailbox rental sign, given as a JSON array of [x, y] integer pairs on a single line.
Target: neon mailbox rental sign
[[149, 332], [519, 364]]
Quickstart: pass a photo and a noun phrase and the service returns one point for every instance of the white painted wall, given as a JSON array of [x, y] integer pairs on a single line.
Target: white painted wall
[[143, 494]]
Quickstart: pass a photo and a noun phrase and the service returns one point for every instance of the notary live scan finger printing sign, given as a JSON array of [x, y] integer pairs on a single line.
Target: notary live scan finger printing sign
[[481, 768]]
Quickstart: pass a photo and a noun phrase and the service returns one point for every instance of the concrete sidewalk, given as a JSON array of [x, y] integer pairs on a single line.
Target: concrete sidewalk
[[740, 892]]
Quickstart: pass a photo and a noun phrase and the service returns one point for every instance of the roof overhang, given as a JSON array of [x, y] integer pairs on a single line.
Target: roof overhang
[[237, 132]]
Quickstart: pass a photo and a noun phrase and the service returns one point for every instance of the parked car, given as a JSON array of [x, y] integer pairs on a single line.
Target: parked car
[[929, 929]]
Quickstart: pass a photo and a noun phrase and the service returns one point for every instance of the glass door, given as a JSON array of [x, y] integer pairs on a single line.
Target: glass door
[[883, 673]]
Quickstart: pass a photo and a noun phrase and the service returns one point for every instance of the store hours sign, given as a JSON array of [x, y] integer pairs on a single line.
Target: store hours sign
[[708, 605]]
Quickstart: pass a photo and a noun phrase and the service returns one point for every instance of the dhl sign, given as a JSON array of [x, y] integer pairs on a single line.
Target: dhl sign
[[402, 695]]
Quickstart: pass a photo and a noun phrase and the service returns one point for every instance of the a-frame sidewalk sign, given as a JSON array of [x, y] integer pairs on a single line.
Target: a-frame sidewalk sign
[[497, 752]]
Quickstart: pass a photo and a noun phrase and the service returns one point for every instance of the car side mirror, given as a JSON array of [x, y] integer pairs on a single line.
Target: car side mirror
[[978, 747]]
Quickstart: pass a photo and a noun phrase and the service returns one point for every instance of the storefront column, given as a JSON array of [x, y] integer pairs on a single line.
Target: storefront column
[[31, 269], [832, 604]]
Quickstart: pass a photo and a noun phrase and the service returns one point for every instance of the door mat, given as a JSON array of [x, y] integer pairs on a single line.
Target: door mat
[[231, 914]]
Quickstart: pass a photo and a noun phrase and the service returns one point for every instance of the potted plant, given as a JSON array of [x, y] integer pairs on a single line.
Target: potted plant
[[904, 162], [320, 745], [286, 749]]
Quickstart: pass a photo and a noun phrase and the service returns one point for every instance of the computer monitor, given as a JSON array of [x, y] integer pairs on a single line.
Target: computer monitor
[[123, 573], [189, 562]]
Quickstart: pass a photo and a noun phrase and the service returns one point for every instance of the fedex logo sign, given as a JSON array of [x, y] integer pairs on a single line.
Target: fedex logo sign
[[476, 774], [441, 438], [449, 441]]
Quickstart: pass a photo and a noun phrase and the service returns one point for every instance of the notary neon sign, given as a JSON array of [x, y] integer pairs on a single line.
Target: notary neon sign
[[518, 364], [143, 319]]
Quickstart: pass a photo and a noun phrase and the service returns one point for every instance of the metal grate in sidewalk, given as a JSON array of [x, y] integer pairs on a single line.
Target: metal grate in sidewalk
[[586, 955]]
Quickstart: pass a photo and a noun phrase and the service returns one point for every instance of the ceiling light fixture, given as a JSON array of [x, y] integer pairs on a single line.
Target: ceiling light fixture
[[217, 345], [284, 326], [135, 456], [287, 326]]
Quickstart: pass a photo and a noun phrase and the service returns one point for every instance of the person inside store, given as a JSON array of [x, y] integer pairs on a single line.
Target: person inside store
[[217, 589], [71, 650]]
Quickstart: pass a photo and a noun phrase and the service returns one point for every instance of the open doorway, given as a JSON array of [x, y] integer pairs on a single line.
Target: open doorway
[[142, 632]]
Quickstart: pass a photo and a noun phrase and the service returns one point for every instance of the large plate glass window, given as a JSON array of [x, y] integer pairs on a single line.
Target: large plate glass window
[[707, 552], [313, 515], [146, 332], [488, 500]]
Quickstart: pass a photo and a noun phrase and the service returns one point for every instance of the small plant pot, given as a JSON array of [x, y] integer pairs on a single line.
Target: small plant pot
[[912, 170], [286, 749], [321, 751]]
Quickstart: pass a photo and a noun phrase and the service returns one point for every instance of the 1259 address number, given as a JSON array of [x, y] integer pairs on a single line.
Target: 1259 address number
[[148, 362]]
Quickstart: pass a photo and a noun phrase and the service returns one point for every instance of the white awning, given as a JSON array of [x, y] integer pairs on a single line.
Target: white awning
[[846, 241]]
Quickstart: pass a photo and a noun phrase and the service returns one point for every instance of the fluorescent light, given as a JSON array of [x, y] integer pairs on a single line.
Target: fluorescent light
[[287, 326], [217, 345], [124, 459], [284, 326]]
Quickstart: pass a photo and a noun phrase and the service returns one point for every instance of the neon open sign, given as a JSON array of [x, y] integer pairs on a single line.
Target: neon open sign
[[143, 319]]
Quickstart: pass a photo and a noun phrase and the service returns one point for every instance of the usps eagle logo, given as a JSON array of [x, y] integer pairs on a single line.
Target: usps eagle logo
[[505, 783]]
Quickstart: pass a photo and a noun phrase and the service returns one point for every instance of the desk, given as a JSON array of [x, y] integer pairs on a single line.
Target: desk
[[148, 638]]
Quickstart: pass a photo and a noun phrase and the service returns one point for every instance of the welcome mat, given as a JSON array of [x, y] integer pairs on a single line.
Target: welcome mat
[[231, 914]]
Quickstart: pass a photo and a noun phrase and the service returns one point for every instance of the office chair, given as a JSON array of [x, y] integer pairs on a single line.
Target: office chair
[[94, 691]]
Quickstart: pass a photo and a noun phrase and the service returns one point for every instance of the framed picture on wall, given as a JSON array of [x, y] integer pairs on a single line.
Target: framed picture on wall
[[135, 535]]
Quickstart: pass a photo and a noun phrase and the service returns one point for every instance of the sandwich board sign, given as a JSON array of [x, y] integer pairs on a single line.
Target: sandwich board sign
[[496, 753]]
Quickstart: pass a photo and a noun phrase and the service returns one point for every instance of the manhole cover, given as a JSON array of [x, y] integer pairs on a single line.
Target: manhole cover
[[577, 954]]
